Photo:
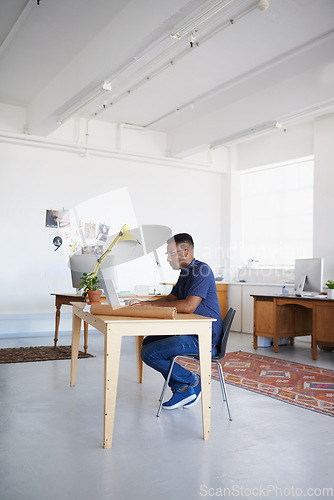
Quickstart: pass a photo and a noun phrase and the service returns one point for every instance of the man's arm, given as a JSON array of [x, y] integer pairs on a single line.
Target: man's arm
[[187, 305]]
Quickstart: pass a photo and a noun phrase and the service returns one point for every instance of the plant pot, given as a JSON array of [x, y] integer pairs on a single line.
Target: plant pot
[[330, 293], [94, 296]]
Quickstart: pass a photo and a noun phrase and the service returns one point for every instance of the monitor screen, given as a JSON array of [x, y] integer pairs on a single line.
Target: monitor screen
[[308, 276], [82, 263]]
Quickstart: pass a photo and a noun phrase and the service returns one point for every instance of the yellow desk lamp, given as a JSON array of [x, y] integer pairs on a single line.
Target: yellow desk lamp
[[125, 237]]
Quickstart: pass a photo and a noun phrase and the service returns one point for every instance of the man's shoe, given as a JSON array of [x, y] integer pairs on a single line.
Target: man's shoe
[[180, 398], [197, 391]]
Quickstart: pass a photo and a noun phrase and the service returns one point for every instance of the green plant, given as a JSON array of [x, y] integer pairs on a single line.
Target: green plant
[[330, 284], [89, 282]]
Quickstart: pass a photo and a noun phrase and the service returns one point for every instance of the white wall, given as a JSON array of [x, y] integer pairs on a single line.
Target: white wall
[[37, 177], [186, 197], [310, 138], [323, 245]]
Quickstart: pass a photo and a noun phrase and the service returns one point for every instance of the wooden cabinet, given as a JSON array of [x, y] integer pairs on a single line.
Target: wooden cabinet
[[222, 298]]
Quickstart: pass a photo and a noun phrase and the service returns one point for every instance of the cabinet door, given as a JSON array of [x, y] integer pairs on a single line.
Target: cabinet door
[[248, 303], [324, 322], [222, 298], [234, 300]]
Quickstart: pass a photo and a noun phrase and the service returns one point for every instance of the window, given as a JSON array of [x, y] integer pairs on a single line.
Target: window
[[277, 213]]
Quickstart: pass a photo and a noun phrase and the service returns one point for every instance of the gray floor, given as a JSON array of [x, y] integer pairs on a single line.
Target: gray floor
[[51, 435]]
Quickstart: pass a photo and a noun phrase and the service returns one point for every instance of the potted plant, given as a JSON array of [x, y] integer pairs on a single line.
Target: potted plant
[[330, 286], [90, 286], [252, 263]]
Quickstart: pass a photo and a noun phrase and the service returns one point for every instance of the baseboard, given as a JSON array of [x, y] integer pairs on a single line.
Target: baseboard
[[36, 325]]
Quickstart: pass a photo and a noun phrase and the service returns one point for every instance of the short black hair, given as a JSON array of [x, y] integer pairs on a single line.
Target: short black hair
[[181, 238]]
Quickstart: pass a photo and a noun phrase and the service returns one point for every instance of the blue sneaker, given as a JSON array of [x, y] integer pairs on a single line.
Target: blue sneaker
[[180, 398], [197, 390]]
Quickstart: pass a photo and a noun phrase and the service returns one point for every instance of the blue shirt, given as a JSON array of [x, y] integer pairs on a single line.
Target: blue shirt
[[198, 279]]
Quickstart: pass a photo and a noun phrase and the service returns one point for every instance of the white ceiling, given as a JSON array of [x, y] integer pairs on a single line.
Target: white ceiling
[[264, 66]]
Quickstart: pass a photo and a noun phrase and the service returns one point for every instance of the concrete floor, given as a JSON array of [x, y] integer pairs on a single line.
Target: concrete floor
[[51, 435]]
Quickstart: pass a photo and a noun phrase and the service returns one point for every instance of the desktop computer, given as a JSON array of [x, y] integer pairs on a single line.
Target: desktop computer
[[308, 277]]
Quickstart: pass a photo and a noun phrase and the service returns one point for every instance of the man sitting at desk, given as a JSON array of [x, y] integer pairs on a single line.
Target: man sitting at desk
[[195, 292]]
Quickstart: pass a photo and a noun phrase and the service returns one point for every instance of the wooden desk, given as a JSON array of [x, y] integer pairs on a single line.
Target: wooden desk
[[67, 299], [279, 317], [114, 327]]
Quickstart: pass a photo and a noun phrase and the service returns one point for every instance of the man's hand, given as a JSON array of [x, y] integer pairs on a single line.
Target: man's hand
[[132, 302]]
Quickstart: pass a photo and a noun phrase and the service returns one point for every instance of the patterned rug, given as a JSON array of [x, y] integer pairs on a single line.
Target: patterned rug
[[302, 385], [27, 354]]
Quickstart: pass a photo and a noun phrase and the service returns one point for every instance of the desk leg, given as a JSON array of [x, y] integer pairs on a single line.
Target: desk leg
[[76, 327], [58, 306], [275, 344], [85, 337], [139, 344], [204, 344], [314, 334], [112, 352]]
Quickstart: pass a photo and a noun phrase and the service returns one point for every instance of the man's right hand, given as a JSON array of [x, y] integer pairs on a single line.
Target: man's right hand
[[132, 302]]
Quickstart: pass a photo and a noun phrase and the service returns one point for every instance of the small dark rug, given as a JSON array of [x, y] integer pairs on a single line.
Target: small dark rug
[[42, 353]]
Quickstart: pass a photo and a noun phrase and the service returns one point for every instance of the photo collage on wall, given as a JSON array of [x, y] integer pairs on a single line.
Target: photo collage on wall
[[75, 236]]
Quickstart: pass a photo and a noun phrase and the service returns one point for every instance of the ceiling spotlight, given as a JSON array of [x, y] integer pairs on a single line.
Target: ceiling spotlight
[[191, 39]]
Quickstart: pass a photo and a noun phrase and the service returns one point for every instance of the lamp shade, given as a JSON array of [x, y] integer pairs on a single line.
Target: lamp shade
[[127, 238]]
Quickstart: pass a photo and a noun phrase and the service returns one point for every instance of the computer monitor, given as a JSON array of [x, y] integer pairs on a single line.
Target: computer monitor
[[85, 263], [308, 277]]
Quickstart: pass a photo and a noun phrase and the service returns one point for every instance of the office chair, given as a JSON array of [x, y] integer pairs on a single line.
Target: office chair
[[227, 322]]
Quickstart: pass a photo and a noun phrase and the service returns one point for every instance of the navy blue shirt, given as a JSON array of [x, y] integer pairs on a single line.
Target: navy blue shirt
[[198, 279]]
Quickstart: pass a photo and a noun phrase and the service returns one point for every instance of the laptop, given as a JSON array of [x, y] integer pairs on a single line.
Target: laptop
[[109, 289]]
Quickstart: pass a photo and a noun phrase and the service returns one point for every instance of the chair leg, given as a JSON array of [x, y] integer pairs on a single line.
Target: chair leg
[[223, 388], [162, 395]]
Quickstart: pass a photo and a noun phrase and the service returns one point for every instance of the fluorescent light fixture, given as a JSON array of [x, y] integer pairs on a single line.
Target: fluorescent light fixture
[[190, 24], [102, 89], [246, 134]]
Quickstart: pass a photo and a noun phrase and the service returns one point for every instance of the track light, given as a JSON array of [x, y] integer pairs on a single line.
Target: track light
[[102, 89], [201, 16]]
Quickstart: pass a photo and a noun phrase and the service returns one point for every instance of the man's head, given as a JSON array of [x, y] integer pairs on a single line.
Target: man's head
[[180, 250]]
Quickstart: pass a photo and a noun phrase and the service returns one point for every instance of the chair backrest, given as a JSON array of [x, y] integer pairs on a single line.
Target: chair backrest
[[227, 323]]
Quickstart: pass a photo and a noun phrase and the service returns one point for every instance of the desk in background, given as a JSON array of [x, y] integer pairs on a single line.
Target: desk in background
[[114, 327], [280, 317], [62, 299]]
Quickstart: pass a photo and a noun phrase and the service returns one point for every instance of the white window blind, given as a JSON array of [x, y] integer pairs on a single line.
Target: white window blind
[[277, 213]]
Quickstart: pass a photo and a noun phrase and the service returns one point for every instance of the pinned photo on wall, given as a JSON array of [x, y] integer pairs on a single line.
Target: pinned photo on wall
[[102, 234], [57, 218], [57, 241], [93, 250], [51, 219], [90, 230]]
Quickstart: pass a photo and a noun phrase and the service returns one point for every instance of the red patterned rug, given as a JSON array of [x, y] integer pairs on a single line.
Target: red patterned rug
[[302, 385]]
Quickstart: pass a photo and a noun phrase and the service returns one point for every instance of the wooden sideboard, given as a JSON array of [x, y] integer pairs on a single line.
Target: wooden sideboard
[[283, 317]]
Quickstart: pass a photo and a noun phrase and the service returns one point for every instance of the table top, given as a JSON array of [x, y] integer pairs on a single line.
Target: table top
[[181, 317], [292, 297]]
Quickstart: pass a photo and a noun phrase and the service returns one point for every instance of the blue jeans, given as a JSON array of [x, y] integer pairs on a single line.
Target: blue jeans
[[157, 352]]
